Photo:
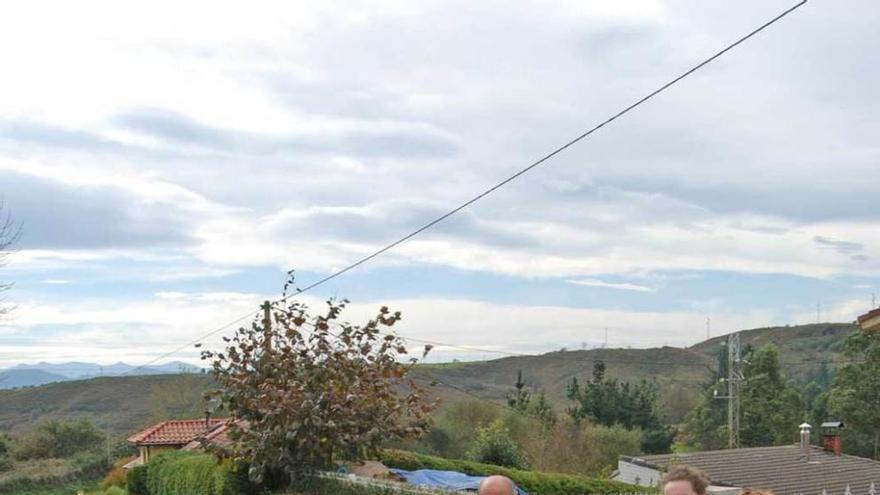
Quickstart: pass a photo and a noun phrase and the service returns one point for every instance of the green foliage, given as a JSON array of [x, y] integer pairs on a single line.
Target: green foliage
[[705, 428], [311, 397], [57, 438], [855, 395], [311, 485], [45, 474], [771, 407], [531, 481], [136, 481], [494, 445], [186, 473], [558, 445], [518, 398], [612, 402]]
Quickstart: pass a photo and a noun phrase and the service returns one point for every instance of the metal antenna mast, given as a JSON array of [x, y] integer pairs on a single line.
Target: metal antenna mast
[[734, 381], [734, 388]]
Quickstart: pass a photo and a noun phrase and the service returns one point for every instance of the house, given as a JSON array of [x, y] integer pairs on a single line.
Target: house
[[870, 321], [175, 434], [798, 469]]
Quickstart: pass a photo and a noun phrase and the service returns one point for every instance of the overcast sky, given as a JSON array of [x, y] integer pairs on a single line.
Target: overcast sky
[[170, 161]]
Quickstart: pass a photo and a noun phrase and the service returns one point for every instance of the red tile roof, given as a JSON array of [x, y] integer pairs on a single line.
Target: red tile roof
[[870, 314], [218, 436], [175, 432]]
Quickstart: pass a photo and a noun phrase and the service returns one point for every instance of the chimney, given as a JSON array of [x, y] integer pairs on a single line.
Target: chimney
[[207, 418], [805, 441], [831, 436]]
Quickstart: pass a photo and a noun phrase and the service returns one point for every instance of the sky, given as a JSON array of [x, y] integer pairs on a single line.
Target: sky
[[169, 162]]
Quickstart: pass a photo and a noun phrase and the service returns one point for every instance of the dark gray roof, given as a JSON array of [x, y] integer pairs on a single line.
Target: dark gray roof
[[779, 469]]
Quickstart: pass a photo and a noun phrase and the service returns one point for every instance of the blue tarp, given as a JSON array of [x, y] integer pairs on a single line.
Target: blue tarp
[[448, 480]]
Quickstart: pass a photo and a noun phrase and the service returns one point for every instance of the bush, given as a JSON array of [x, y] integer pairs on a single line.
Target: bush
[[56, 438], [116, 476], [5, 464], [494, 445], [5, 445], [136, 481], [322, 486], [531, 481], [185, 473]]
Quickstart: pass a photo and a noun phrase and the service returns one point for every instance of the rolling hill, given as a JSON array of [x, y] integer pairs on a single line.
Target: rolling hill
[[120, 405]]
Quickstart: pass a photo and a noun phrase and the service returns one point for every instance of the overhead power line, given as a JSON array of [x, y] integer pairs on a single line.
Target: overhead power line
[[553, 153], [507, 180]]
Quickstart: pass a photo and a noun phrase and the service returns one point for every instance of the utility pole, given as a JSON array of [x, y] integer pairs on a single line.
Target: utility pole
[[708, 328], [734, 389], [267, 326]]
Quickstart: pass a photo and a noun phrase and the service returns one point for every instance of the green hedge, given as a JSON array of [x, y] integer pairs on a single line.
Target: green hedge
[[534, 482], [136, 481], [185, 473]]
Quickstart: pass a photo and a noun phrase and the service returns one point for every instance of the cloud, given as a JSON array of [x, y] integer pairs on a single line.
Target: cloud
[[60, 331], [309, 136], [365, 138], [58, 215], [844, 247], [593, 282]]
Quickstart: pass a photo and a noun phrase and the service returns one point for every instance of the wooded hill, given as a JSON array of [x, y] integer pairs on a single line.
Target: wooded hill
[[120, 405]]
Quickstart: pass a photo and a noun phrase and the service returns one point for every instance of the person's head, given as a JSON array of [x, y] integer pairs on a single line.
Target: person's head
[[684, 480], [497, 485]]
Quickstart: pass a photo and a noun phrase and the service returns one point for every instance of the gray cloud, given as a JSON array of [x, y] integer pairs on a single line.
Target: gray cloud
[[55, 215], [384, 222], [843, 247], [402, 140]]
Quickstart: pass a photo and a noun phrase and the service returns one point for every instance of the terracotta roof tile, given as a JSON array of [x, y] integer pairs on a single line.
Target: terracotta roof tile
[[175, 432], [218, 436], [870, 314]]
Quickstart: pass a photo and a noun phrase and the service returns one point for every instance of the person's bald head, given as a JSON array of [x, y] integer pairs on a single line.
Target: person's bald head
[[497, 485]]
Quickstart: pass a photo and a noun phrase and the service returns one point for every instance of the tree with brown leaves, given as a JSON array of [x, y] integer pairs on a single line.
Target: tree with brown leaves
[[309, 391]]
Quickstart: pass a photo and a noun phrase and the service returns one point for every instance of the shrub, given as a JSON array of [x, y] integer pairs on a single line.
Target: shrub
[[531, 481], [5, 445], [116, 476], [5, 464], [56, 438], [136, 481], [312, 395], [185, 473], [494, 445]]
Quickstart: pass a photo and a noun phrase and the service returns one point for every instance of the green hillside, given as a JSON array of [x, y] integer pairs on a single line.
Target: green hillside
[[120, 405], [802, 348]]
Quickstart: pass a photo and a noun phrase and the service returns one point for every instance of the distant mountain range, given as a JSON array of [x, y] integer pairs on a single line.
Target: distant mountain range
[[28, 375]]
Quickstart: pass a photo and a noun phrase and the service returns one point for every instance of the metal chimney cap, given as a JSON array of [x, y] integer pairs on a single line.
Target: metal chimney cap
[[832, 424], [805, 426]]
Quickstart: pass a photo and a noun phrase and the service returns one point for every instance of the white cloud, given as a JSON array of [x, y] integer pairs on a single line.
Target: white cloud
[[594, 282], [139, 331]]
